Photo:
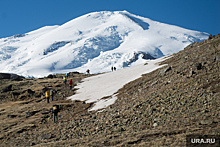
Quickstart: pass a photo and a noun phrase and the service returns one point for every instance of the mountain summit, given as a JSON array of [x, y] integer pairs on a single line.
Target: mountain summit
[[94, 41]]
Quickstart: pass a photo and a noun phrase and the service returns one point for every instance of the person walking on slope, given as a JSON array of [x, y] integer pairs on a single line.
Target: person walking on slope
[[51, 94], [47, 93], [55, 111], [67, 75], [114, 68], [70, 84], [64, 79], [88, 72]]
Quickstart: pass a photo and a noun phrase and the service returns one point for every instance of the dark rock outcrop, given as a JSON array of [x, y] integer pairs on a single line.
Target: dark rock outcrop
[[17, 78], [198, 66], [51, 76], [5, 76], [30, 91], [44, 89], [7, 88], [15, 94]]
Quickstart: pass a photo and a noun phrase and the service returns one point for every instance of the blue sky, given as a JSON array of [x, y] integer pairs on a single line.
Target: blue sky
[[22, 16]]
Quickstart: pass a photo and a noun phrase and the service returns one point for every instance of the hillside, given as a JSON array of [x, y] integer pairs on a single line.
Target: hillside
[[158, 109], [94, 41]]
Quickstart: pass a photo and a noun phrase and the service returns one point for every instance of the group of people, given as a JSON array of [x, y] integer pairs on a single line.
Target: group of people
[[113, 68], [55, 109], [49, 94], [70, 81]]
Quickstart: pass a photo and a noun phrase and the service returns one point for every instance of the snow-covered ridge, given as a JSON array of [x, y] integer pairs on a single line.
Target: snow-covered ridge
[[96, 41]]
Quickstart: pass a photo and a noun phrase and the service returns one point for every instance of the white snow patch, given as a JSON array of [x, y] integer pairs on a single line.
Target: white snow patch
[[103, 103], [92, 89]]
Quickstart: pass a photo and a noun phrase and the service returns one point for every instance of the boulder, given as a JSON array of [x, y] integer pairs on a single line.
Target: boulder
[[206, 122], [198, 66], [191, 72], [28, 114], [217, 58], [120, 129], [42, 137], [163, 71]]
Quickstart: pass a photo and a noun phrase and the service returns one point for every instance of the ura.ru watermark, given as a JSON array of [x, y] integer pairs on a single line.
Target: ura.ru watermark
[[203, 140], [208, 140]]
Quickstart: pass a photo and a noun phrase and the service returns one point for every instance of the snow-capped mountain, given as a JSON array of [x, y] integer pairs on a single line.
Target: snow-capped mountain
[[94, 41]]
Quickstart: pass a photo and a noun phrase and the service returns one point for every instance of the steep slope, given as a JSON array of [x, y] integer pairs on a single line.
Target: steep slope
[[161, 107], [96, 41]]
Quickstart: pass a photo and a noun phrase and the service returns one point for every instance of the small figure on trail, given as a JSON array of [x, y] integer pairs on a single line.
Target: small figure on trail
[[114, 68], [70, 84], [47, 93], [88, 72], [67, 75], [51, 94], [55, 111], [64, 80]]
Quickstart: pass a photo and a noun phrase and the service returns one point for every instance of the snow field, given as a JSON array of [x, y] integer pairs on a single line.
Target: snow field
[[92, 89]]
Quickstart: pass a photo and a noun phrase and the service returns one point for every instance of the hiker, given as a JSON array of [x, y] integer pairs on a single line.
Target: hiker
[[64, 80], [88, 72], [55, 111], [70, 84], [114, 68], [67, 75], [47, 96], [51, 94]]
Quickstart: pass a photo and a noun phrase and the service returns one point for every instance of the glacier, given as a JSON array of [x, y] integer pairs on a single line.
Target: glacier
[[95, 41]]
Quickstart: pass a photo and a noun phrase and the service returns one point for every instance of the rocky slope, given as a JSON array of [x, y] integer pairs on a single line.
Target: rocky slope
[[158, 109]]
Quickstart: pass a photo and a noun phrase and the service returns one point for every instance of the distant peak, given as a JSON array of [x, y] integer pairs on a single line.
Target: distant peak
[[124, 11], [109, 12]]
